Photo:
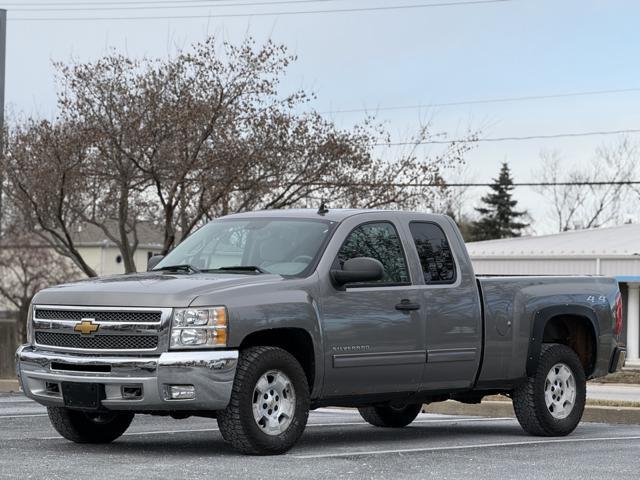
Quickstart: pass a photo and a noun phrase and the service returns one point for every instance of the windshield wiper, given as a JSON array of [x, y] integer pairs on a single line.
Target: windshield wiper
[[238, 268], [178, 268]]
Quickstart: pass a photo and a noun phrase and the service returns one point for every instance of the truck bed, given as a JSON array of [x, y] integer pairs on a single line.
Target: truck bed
[[511, 306]]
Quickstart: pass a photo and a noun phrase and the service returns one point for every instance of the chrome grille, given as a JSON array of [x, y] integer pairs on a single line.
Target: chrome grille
[[116, 329], [100, 342], [98, 315]]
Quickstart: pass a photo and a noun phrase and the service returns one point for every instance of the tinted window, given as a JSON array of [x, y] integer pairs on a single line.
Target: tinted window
[[379, 241], [434, 252]]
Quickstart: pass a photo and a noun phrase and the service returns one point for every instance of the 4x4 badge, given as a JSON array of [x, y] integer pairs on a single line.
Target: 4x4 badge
[[86, 326]]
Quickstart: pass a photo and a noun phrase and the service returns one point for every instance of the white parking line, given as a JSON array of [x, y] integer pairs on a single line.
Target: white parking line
[[156, 432], [24, 415], [309, 425], [463, 447]]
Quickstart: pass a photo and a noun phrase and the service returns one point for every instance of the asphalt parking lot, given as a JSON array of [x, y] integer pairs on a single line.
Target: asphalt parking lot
[[336, 444]]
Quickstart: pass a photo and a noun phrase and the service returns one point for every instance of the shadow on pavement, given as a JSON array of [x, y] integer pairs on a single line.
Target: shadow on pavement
[[314, 440]]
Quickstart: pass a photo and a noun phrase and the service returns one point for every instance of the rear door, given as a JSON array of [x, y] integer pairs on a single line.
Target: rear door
[[450, 303], [373, 332]]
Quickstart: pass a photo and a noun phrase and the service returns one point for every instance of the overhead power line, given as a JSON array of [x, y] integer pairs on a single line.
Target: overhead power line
[[509, 139], [157, 6], [485, 101], [106, 2], [474, 184], [128, 2], [270, 14]]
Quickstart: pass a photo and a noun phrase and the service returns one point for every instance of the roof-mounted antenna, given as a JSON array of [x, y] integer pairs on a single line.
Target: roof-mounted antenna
[[323, 208]]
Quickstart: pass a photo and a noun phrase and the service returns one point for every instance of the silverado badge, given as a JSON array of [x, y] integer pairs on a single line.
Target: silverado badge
[[86, 326]]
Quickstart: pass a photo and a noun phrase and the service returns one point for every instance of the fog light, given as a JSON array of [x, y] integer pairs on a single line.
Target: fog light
[[182, 392]]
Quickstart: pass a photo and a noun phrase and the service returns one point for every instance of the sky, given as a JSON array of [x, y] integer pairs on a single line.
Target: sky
[[380, 58]]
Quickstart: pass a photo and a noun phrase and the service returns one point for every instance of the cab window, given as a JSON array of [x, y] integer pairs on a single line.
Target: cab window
[[434, 252], [377, 240]]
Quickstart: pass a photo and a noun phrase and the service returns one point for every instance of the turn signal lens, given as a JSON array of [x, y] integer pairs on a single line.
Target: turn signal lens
[[199, 328]]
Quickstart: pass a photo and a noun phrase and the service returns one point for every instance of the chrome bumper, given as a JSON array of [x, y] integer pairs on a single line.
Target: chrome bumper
[[211, 373]]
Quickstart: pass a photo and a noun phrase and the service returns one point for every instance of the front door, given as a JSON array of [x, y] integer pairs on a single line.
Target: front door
[[373, 332]]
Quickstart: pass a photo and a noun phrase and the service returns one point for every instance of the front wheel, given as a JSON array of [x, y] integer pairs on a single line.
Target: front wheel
[[390, 416], [84, 427], [551, 402], [269, 402]]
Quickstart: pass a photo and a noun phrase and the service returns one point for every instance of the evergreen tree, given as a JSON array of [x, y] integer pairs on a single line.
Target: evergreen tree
[[499, 219]]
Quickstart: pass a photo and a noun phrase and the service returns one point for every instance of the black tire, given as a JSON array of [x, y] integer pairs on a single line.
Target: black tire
[[390, 417], [237, 423], [529, 398], [81, 427]]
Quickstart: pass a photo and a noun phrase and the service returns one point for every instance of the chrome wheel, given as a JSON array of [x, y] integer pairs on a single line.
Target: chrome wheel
[[560, 391], [274, 402]]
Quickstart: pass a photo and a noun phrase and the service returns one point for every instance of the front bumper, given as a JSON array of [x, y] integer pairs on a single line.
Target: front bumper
[[210, 372]]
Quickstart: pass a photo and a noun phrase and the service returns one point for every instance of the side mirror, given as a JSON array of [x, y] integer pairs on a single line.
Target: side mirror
[[153, 261], [359, 269]]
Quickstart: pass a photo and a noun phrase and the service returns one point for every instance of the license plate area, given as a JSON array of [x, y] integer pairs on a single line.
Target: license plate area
[[86, 396]]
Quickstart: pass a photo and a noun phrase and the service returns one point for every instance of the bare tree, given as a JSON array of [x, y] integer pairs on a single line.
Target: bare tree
[[182, 140], [26, 266], [46, 184], [577, 203]]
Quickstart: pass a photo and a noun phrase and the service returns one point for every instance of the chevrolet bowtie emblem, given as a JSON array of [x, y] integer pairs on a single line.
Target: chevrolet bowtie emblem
[[86, 327]]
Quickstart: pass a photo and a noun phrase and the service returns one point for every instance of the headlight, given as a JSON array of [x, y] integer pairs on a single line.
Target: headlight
[[199, 327], [30, 325]]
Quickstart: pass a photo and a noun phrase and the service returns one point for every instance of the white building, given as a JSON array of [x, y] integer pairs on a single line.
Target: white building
[[103, 255], [611, 251]]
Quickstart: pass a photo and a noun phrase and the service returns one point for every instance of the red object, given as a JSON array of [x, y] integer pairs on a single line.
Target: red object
[[617, 329]]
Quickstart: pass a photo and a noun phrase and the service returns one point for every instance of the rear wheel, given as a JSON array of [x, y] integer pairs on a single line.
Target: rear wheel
[[85, 427], [390, 416], [269, 402], [551, 402]]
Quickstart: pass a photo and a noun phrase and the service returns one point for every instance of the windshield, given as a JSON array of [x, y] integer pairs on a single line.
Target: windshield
[[285, 247]]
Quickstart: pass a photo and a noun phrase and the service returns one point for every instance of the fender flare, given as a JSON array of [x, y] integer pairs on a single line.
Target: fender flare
[[542, 317]]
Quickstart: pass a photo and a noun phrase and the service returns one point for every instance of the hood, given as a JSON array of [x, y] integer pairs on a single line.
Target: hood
[[149, 289]]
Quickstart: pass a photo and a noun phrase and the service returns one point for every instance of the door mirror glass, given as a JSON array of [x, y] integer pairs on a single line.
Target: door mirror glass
[[357, 270], [153, 261]]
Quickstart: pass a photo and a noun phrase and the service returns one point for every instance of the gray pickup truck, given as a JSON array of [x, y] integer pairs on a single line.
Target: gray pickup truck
[[259, 317]]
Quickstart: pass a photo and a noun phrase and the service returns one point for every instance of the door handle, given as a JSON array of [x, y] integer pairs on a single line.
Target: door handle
[[405, 306]]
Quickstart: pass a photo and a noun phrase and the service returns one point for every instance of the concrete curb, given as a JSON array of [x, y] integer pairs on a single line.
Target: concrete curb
[[592, 413], [9, 386]]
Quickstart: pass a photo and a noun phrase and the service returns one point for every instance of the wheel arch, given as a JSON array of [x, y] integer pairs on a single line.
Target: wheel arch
[[297, 341], [573, 325]]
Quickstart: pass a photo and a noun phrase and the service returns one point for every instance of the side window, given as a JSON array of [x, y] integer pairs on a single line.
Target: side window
[[434, 252], [379, 241]]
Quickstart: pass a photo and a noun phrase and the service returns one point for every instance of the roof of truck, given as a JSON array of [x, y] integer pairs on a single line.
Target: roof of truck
[[333, 214]]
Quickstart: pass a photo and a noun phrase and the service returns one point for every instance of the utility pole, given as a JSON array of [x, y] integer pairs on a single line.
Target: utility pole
[[3, 47]]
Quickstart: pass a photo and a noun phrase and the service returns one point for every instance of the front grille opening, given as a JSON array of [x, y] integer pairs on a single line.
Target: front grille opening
[[97, 342], [52, 388], [131, 392], [67, 367]]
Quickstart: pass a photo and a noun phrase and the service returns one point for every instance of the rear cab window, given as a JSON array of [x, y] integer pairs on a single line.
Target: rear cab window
[[434, 251]]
